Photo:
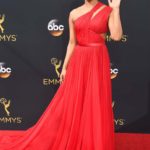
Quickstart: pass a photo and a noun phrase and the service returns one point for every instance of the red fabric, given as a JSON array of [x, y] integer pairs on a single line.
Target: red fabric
[[132, 141], [80, 115]]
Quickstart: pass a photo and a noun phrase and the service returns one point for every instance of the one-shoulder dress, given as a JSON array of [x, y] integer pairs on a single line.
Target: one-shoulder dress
[[80, 115]]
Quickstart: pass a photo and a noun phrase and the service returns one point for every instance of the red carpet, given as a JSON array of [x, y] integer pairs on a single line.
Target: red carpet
[[123, 141], [132, 141]]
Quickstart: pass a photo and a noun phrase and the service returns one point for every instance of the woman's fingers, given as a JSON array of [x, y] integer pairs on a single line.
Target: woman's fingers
[[61, 78], [109, 1]]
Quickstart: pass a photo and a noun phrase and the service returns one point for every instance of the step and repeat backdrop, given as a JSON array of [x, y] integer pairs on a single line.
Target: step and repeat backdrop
[[33, 42]]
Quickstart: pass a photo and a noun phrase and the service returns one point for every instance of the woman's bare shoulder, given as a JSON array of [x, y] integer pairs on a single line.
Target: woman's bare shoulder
[[75, 11]]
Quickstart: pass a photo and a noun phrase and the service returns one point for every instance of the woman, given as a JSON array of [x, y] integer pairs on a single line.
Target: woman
[[80, 115], [114, 23]]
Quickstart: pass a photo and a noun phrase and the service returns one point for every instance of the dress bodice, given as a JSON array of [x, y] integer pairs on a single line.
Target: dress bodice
[[90, 26]]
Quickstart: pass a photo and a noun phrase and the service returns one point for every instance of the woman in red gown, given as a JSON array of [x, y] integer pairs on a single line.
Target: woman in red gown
[[80, 115]]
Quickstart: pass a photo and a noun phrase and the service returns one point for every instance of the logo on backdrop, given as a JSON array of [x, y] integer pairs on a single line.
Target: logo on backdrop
[[5, 106], [5, 72], [123, 39], [2, 18], [55, 28], [56, 63], [5, 37], [114, 71], [118, 121]]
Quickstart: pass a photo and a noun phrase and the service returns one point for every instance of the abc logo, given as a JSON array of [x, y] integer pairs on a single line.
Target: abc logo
[[114, 73], [4, 71], [55, 28]]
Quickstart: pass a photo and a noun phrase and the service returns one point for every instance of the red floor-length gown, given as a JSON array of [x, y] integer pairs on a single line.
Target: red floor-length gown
[[80, 115]]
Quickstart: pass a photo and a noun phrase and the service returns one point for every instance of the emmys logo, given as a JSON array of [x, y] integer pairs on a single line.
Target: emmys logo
[[118, 121], [8, 119], [5, 72], [55, 28], [123, 39], [5, 37], [2, 18], [6, 105], [114, 72], [57, 64]]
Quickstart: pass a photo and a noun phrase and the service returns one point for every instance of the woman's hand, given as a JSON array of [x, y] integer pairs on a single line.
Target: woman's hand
[[62, 75], [114, 3], [114, 22]]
